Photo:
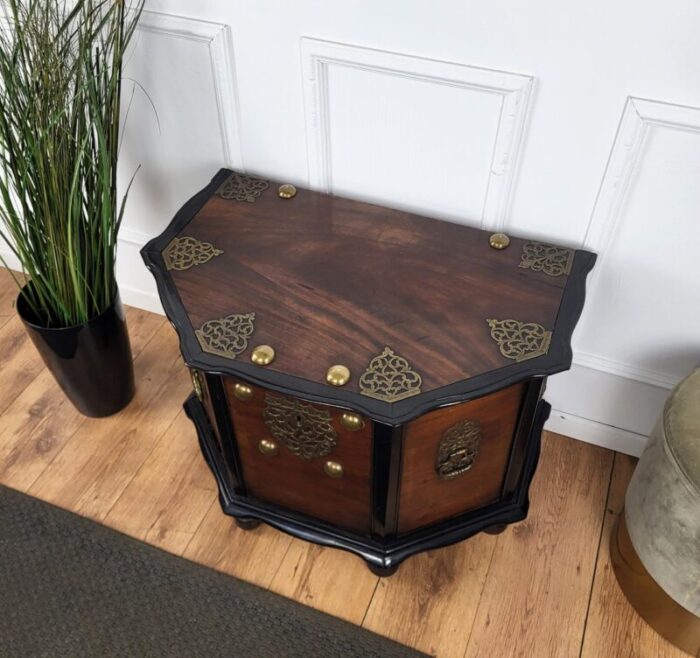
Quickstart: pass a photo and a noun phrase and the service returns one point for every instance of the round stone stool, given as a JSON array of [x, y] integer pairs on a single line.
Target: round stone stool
[[655, 548]]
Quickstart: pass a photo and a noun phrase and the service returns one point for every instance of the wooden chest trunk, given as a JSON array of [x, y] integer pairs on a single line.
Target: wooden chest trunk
[[364, 378]]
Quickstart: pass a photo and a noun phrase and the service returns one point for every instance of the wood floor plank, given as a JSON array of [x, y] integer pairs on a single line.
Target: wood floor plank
[[35, 428], [39, 422], [143, 326], [536, 592], [104, 454], [20, 363], [8, 293], [252, 555], [170, 495], [613, 627], [327, 579], [431, 602]]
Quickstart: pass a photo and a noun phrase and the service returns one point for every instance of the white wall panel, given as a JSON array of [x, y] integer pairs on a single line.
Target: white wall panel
[[432, 136], [640, 331], [182, 126], [646, 287]]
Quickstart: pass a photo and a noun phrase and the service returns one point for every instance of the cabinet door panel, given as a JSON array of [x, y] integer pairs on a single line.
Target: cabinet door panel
[[297, 483], [426, 497]]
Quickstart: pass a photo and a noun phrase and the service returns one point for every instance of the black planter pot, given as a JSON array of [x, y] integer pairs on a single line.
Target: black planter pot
[[91, 362]]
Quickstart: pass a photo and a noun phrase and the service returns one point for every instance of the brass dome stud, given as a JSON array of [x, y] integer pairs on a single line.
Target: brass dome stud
[[352, 422], [333, 469], [499, 241], [263, 355], [267, 447], [338, 375], [286, 191], [242, 392]]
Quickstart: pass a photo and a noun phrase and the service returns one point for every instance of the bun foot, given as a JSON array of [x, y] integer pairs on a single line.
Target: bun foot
[[247, 523], [496, 529], [383, 572]]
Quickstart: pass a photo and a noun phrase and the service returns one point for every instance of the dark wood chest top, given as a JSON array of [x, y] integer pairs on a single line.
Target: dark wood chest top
[[422, 312]]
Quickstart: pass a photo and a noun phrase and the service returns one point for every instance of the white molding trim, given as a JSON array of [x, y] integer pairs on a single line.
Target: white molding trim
[[639, 117], [514, 88], [219, 41], [599, 434], [626, 370], [136, 238]]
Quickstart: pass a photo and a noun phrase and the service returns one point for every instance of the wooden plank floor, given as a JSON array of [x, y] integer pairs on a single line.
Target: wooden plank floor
[[542, 588]]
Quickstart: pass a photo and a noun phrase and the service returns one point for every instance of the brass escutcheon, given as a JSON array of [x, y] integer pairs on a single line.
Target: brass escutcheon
[[333, 469]]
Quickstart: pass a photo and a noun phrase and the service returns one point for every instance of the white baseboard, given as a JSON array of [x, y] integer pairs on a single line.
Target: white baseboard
[[141, 299], [136, 283], [599, 434]]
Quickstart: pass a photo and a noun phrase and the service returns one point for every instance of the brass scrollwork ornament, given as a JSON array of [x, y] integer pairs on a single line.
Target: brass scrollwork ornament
[[390, 377], [239, 187], [547, 258], [458, 449], [186, 252], [520, 340], [227, 336], [306, 430]]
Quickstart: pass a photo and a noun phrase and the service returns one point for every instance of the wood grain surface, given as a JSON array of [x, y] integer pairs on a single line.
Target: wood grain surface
[[542, 588], [333, 280], [425, 497], [301, 484]]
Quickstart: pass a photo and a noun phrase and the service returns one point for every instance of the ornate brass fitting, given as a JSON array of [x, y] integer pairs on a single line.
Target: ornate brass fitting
[[306, 430], [458, 448]]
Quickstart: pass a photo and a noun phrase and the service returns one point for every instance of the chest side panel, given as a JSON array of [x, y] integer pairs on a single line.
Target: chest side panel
[[284, 446], [454, 459]]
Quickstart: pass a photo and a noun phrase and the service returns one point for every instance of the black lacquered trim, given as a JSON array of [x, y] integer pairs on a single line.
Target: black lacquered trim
[[226, 432], [556, 360], [526, 418], [387, 444]]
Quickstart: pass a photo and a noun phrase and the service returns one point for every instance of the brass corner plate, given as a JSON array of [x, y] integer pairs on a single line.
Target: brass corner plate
[[306, 430], [458, 449], [186, 252], [520, 340], [547, 258], [389, 377], [240, 187], [227, 336]]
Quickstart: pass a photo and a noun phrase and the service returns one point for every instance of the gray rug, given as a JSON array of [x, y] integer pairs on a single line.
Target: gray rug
[[71, 587]]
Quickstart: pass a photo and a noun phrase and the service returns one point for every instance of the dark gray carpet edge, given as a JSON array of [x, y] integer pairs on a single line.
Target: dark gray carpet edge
[[71, 587]]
